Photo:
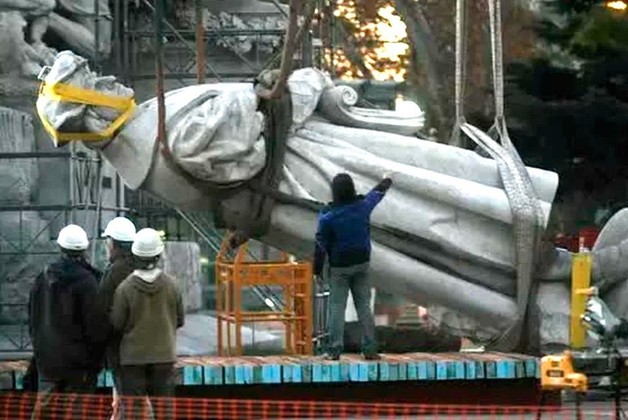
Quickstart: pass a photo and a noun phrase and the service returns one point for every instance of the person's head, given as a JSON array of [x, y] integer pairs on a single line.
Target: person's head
[[147, 248], [72, 241], [342, 189], [120, 233]]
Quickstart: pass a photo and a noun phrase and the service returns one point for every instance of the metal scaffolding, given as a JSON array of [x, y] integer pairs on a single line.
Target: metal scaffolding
[[29, 226], [28, 230]]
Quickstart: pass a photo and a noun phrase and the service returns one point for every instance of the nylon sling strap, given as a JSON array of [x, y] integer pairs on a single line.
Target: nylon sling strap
[[527, 214], [517, 184]]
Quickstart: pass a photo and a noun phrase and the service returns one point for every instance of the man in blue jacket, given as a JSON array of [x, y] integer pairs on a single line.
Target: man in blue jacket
[[344, 238]]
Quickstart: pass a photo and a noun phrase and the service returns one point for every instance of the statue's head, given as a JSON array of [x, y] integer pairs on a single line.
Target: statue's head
[[75, 104]]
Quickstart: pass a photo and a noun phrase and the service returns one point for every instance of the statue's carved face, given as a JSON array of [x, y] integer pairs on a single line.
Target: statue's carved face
[[12, 42]]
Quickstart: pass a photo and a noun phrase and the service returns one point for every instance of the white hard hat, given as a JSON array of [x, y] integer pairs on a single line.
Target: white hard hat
[[73, 238], [120, 229], [147, 244]]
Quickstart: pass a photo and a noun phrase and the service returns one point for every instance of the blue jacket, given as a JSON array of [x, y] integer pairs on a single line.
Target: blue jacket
[[344, 234]]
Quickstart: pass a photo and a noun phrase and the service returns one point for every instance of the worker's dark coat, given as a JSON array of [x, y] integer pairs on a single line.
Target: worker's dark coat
[[121, 267], [66, 323]]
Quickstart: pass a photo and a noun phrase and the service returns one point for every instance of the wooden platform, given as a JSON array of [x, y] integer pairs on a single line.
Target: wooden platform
[[274, 370]]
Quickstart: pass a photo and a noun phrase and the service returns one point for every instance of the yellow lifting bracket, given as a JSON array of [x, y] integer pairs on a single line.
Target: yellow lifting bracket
[[62, 92]]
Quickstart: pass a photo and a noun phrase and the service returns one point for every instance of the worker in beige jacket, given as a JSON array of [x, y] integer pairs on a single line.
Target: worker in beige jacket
[[147, 310]]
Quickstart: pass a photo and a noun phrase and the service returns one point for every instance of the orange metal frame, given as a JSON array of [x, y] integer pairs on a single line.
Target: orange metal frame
[[233, 276]]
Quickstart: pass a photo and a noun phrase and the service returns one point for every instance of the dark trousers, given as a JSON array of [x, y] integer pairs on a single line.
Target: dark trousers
[[343, 280], [155, 381], [57, 397]]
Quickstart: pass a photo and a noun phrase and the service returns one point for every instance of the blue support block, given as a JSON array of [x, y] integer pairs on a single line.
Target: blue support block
[[490, 370], [109, 379], [354, 372], [213, 375], [373, 372], [393, 371], [257, 374], [358, 372], [335, 373], [413, 373], [326, 372], [441, 371], [344, 372], [505, 369], [384, 371], [457, 370], [480, 371], [306, 369], [520, 369], [271, 374], [19, 380], [229, 372], [101, 380], [402, 371], [317, 372], [244, 374], [286, 373], [470, 370], [426, 370], [297, 374], [532, 369]]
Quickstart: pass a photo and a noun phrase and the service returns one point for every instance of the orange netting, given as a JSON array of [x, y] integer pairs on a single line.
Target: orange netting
[[17, 406]]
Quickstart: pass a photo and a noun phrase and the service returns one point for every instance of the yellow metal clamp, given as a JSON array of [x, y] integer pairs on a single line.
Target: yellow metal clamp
[[62, 92]]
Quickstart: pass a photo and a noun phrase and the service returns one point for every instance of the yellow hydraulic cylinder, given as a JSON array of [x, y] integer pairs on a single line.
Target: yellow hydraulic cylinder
[[580, 280]]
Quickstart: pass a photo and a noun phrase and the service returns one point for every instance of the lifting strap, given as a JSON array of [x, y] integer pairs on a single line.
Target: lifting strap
[[62, 92], [525, 208], [528, 220]]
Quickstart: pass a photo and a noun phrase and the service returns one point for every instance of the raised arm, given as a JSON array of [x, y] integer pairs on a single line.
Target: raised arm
[[372, 199]]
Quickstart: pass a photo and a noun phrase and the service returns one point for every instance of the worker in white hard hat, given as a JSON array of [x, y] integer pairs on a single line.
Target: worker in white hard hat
[[65, 323], [119, 234], [148, 310]]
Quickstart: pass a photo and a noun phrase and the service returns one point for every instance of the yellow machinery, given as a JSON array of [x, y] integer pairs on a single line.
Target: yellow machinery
[[234, 275], [557, 372]]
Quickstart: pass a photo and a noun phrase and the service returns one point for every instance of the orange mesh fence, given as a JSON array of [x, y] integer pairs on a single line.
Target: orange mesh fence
[[18, 406]]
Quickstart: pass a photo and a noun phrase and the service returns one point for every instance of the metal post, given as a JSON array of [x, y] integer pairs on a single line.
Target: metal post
[[72, 186], [117, 36], [580, 280], [97, 35], [159, 74], [307, 50], [200, 43], [125, 42]]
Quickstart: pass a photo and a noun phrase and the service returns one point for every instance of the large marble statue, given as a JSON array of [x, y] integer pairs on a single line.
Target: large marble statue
[[444, 235]]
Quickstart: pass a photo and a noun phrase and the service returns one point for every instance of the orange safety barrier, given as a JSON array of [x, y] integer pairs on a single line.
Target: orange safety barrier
[[17, 406], [233, 275]]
